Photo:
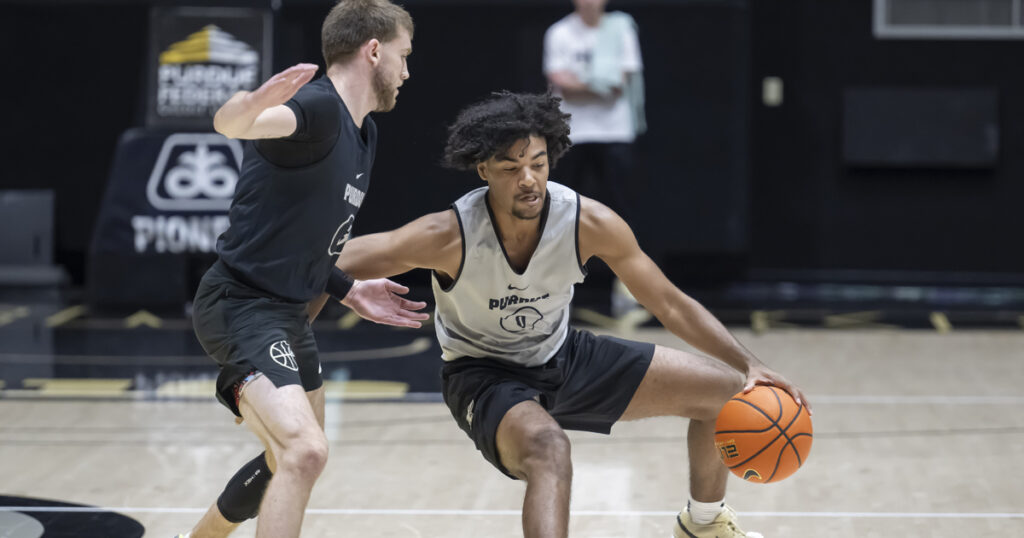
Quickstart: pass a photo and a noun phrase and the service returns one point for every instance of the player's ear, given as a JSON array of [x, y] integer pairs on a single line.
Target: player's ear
[[481, 170], [372, 51]]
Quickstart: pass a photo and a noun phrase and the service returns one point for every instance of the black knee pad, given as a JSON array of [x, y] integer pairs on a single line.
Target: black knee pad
[[241, 497]]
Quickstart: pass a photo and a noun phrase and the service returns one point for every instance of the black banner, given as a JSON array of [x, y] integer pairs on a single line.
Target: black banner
[[199, 57], [165, 205]]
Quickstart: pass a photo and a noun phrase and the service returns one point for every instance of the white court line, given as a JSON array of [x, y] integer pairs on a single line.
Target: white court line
[[517, 513], [917, 400]]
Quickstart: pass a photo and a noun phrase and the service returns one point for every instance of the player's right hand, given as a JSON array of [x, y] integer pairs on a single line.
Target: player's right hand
[[281, 87]]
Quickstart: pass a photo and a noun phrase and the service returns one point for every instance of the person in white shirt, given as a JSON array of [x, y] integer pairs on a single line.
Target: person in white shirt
[[592, 60]]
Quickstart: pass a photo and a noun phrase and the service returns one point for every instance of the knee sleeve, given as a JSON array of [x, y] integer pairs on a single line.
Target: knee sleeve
[[241, 497]]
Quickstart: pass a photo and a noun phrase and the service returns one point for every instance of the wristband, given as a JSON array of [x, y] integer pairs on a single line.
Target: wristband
[[339, 284]]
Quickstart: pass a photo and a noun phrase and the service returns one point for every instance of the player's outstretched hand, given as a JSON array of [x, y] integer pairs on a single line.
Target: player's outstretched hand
[[379, 301], [281, 87], [762, 375]]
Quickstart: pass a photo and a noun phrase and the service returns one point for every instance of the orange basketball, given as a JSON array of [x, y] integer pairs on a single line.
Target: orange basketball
[[763, 436]]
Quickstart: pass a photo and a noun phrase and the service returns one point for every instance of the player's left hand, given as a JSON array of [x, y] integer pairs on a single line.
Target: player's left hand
[[762, 375], [378, 301]]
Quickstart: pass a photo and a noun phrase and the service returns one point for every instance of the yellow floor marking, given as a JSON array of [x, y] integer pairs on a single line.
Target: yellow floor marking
[[418, 345], [860, 320], [762, 320], [13, 314], [940, 322], [363, 389], [350, 390], [66, 315], [188, 387], [143, 317], [631, 320], [78, 387], [349, 320]]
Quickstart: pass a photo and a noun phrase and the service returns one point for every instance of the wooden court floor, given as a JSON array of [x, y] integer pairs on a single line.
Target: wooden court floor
[[917, 434]]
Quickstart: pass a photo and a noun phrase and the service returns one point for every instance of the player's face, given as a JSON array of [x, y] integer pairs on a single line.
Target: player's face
[[392, 70], [518, 179]]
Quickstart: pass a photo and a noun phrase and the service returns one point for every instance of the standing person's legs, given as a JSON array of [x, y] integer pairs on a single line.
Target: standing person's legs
[[576, 169], [534, 448], [617, 179]]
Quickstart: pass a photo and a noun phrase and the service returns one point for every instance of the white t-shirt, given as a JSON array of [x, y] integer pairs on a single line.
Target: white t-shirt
[[568, 46]]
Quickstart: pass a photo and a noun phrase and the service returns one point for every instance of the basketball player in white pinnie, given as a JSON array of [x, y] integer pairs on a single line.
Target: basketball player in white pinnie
[[504, 261]]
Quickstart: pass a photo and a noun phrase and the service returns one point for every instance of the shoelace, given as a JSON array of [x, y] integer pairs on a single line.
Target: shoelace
[[731, 523]]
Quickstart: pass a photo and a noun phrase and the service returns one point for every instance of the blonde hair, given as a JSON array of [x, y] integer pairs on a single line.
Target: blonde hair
[[351, 23]]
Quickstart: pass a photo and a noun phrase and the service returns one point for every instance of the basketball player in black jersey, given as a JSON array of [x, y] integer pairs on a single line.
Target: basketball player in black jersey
[[504, 260], [305, 170]]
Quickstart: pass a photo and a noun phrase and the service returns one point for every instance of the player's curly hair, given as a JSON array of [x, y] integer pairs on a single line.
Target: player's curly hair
[[490, 127]]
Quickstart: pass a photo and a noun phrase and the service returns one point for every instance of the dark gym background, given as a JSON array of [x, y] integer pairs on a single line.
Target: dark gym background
[[740, 197]]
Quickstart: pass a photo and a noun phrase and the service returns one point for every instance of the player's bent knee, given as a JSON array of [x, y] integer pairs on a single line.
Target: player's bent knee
[[731, 386], [241, 498], [546, 450], [306, 456], [726, 388]]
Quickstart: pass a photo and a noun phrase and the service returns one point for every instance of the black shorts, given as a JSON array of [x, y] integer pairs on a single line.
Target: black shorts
[[246, 330], [586, 386]]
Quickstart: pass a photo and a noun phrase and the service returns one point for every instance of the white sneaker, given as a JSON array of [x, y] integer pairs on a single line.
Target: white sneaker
[[724, 526]]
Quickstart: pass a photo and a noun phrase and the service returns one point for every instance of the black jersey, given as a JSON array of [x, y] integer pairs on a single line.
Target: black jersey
[[297, 197]]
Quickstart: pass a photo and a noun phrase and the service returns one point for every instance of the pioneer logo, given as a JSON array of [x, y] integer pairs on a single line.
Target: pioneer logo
[[195, 172]]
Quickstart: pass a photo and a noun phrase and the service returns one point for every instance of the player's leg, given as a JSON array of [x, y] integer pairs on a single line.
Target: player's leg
[[534, 448], [241, 497], [496, 405], [243, 341], [238, 502], [696, 387], [211, 317], [284, 420], [213, 525]]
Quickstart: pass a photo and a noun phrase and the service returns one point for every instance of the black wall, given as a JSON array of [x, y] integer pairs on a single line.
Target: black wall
[[812, 212], [691, 175], [72, 82], [721, 177], [82, 84]]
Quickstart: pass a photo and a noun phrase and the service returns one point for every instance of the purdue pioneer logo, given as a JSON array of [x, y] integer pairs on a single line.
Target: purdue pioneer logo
[[341, 236], [200, 73], [195, 172], [282, 354], [524, 319]]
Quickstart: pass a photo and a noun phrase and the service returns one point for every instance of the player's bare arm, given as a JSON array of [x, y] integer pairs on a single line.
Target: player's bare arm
[[429, 242], [261, 113], [604, 234]]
